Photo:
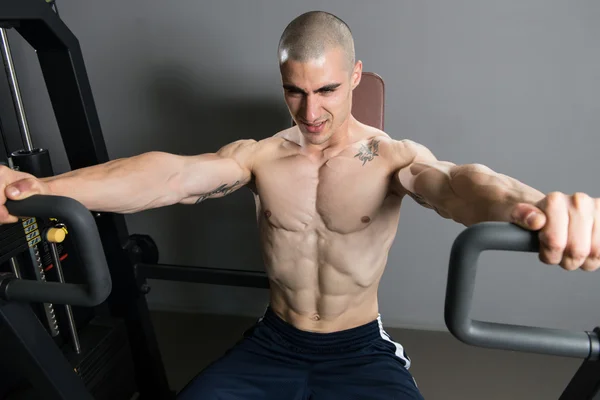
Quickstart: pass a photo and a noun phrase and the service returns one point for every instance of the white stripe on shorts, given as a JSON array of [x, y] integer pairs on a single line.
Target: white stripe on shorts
[[399, 349]]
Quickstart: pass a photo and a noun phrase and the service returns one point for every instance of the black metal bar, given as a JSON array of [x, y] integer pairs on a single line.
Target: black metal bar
[[27, 346], [461, 286], [213, 276], [126, 302], [585, 384], [69, 89], [152, 355], [97, 281]]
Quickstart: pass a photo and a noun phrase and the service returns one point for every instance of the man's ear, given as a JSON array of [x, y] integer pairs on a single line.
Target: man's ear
[[356, 74]]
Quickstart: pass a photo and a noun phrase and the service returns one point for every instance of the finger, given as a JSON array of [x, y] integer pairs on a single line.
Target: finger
[[5, 217], [579, 239], [528, 216], [553, 236], [22, 189], [3, 195], [592, 262], [3, 179]]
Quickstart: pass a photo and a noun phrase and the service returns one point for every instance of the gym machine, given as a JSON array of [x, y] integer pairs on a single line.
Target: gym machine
[[69, 326], [27, 347], [133, 259]]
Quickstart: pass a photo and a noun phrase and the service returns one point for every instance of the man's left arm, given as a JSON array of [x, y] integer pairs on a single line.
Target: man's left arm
[[568, 225]]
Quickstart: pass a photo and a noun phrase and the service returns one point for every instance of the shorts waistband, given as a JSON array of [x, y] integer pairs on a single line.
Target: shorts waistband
[[316, 342]]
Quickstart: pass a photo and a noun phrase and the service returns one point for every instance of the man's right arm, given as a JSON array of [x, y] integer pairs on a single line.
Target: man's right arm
[[142, 182]]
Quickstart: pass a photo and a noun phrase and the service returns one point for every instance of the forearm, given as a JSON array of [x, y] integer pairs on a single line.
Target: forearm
[[480, 194], [125, 185]]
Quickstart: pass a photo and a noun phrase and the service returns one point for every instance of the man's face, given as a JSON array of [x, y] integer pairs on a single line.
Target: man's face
[[318, 94]]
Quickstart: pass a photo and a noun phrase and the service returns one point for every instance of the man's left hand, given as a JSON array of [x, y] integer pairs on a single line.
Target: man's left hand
[[569, 228]]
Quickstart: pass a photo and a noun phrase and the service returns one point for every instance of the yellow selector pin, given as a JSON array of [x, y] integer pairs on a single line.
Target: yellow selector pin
[[56, 235]]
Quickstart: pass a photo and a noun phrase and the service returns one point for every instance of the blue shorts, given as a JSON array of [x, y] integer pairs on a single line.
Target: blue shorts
[[276, 361]]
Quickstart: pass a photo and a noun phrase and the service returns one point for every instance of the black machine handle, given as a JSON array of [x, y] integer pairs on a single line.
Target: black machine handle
[[459, 294], [87, 239]]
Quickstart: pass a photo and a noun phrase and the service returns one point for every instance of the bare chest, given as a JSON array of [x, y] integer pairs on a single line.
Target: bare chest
[[343, 194]]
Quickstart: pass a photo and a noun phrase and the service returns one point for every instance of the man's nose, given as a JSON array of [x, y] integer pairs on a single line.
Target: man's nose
[[311, 108]]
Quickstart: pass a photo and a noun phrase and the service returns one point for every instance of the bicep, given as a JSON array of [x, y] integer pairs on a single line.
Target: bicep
[[217, 174]]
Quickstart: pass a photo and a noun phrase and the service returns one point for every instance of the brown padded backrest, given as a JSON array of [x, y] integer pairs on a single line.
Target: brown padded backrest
[[369, 100]]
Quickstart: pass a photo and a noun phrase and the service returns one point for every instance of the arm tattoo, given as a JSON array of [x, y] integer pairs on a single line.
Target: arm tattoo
[[368, 152], [223, 189], [418, 198], [421, 201]]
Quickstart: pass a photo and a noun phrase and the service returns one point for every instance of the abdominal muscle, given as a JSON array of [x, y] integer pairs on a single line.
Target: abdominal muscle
[[324, 281]]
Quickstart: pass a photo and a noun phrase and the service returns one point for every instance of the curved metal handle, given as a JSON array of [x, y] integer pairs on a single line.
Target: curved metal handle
[[87, 240], [459, 295]]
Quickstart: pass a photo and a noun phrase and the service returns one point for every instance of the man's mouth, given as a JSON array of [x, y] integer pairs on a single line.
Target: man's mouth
[[314, 127]]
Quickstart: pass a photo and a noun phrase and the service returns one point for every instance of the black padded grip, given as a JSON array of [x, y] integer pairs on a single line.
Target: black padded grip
[[83, 229], [459, 295]]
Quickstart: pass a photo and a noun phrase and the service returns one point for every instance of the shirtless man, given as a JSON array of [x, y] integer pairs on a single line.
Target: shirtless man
[[328, 193]]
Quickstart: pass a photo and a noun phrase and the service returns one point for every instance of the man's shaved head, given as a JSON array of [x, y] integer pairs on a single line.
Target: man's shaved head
[[312, 34], [319, 73]]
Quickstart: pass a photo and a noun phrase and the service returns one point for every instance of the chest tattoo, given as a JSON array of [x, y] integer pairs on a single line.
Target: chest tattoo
[[368, 152]]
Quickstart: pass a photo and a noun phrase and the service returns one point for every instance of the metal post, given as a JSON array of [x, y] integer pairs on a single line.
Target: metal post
[[14, 90], [14, 266], [68, 308]]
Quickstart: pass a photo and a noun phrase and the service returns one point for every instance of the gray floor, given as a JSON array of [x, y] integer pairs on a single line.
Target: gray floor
[[443, 367]]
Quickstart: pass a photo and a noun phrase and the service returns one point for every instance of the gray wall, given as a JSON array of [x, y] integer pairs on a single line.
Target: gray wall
[[512, 84]]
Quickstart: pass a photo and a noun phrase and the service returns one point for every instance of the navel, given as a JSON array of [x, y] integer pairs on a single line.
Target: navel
[[316, 317], [365, 219], [268, 214]]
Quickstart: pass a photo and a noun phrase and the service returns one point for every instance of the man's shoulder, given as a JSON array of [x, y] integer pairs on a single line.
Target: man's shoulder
[[289, 135], [273, 147], [400, 152], [256, 146], [367, 133], [279, 140]]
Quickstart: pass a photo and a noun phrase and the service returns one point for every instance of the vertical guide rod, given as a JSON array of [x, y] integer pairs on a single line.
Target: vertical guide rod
[[68, 308], [14, 89], [14, 266]]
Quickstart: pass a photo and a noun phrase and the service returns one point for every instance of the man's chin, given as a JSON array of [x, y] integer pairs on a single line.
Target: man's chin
[[317, 139]]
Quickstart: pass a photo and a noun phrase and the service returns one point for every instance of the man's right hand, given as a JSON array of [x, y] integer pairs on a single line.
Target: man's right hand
[[17, 185]]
